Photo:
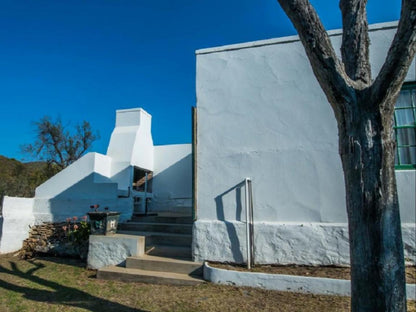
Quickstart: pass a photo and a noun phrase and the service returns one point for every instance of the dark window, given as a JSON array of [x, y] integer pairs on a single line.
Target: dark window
[[405, 127]]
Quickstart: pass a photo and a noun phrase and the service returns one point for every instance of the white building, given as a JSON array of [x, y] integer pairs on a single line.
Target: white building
[[133, 177], [263, 115], [260, 114]]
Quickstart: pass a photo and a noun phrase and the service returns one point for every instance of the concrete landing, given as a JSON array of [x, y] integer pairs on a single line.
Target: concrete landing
[[144, 276], [164, 264]]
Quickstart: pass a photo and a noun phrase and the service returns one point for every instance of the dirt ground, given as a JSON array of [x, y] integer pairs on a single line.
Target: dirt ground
[[313, 271], [60, 284]]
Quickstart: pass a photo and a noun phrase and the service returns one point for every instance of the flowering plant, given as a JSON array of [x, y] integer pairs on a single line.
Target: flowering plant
[[77, 232]]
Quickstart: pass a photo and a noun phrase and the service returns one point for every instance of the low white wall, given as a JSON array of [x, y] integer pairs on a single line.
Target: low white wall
[[105, 250], [282, 243], [20, 213], [172, 178], [290, 283], [15, 224]]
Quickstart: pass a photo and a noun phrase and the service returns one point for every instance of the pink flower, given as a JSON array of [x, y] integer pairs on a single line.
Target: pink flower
[[75, 226], [75, 218], [84, 218], [64, 228]]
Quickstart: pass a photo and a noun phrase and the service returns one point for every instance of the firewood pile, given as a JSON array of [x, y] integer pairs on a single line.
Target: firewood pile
[[43, 239]]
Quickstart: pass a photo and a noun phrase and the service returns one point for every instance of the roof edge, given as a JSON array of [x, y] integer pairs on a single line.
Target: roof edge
[[286, 39]]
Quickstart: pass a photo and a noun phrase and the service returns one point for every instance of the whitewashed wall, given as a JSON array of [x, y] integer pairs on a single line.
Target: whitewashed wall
[[172, 178], [262, 114], [77, 179], [72, 191], [15, 222]]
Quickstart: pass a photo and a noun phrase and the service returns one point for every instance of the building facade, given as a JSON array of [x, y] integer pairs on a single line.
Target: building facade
[[262, 114]]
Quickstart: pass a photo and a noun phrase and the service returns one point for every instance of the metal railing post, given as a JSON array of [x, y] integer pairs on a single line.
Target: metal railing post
[[249, 222]]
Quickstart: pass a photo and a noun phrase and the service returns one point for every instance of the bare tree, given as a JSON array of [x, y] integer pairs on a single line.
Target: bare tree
[[56, 145], [364, 109]]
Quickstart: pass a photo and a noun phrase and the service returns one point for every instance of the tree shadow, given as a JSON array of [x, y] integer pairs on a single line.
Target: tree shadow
[[57, 293]]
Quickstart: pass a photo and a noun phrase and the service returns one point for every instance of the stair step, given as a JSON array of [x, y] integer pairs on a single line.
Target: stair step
[[161, 238], [163, 219], [143, 276], [176, 252], [163, 264], [179, 228]]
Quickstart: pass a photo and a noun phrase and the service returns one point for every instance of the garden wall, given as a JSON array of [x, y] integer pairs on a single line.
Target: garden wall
[[15, 222]]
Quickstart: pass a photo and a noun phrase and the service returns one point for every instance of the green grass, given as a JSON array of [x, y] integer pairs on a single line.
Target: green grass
[[56, 284]]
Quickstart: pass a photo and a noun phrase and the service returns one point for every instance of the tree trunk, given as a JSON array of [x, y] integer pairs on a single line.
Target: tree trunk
[[367, 149], [364, 112]]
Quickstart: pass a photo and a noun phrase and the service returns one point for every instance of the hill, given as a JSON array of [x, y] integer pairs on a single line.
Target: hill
[[21, 179]]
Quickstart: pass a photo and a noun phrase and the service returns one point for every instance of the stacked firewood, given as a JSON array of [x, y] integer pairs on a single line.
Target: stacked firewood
[[42, 239]]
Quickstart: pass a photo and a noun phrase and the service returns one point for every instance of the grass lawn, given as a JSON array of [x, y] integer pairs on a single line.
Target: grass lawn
[[56, 284]]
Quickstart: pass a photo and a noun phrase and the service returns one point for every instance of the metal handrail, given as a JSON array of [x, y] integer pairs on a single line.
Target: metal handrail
[[249, 222]]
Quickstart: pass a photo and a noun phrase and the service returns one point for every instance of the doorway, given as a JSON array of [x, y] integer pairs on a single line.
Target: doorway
[[142, 190]]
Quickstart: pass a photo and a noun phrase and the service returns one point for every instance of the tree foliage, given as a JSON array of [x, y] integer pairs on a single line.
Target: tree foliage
[[59, 146]]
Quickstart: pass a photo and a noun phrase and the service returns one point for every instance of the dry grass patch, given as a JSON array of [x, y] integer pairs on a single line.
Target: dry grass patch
[[54, 284]]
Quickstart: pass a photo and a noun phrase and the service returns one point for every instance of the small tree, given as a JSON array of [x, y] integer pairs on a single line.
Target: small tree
[[364, 109], [58, 146]]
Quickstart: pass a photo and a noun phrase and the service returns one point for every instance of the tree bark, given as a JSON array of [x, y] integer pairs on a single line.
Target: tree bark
[[355, 40], [376, 249]]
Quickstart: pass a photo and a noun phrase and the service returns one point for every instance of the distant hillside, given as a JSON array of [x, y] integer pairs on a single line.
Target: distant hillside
[[20, 179]]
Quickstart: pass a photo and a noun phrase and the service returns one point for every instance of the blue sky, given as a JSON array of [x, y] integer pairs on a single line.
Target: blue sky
[[83, 59]]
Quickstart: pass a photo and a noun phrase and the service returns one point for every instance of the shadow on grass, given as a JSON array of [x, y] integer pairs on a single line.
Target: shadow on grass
[[59, 294]]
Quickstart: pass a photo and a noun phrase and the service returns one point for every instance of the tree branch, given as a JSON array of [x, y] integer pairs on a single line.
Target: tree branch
[[326, 66], [355, 40], [400, 56]]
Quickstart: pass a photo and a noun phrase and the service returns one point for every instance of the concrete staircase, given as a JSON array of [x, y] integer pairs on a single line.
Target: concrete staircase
[[167, 258]]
